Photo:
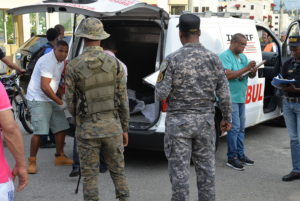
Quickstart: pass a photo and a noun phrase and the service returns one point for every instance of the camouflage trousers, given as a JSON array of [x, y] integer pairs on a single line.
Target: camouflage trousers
[[185, 140], [88, 150]]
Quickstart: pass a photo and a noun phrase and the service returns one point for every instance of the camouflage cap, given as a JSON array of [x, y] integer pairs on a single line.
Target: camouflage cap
[[91, 28]]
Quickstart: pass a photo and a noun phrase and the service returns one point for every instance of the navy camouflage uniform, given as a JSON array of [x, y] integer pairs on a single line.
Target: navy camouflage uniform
[[190, 79]]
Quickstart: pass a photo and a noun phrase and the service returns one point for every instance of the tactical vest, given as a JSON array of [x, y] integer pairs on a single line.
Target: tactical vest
[[98, 87]]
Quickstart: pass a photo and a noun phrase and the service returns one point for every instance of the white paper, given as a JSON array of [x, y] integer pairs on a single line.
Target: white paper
[[152, 78], [256, 67]]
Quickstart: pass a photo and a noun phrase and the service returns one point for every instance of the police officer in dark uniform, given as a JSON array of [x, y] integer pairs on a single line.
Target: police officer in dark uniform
[[189, 80], [291, 105]]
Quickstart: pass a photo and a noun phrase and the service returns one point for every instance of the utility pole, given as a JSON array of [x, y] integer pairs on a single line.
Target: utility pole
[[190, 8], [294, 4], [281, 16]]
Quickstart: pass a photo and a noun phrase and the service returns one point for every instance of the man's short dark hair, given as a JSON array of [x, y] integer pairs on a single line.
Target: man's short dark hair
[[62, 43], [236, 37], [59, 28], [52, 34], [89, 40], [188, 34]]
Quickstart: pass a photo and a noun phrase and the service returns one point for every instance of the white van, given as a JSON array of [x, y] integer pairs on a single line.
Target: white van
[[145, 35]]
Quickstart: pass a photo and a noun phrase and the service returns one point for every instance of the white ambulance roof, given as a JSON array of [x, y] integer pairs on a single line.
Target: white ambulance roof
[[216, 20], [213, 32], [100, 8]]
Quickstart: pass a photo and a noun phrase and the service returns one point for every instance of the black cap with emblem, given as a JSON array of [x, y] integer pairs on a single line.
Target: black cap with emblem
[[294, 41], [189, 23]]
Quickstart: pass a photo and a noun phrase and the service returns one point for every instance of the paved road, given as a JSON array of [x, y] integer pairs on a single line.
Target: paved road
[[148, 179]]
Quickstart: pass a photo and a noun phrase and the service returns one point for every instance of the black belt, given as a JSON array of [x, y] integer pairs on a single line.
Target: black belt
[[292, 99], [98, 116]]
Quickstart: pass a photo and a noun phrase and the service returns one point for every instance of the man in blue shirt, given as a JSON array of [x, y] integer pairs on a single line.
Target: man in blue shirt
[[52, 36], [236, 64]]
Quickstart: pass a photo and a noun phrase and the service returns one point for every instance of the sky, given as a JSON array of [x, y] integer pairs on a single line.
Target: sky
[[289, 4]]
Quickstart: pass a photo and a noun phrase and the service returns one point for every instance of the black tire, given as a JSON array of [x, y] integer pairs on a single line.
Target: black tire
[[15, 109], [277, 122], [25, 118], [218, 118]]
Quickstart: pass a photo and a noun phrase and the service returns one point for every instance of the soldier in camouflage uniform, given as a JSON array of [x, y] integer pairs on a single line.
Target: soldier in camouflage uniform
[[96, 95], [190, 79]]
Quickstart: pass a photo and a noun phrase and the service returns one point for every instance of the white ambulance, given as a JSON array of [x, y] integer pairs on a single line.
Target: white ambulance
[[145, 35]]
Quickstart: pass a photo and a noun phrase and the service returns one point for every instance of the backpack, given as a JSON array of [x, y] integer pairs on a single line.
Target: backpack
[[35, 57]]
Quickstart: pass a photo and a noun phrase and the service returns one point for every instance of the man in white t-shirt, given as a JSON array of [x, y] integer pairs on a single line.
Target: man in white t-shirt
[[45, 106]]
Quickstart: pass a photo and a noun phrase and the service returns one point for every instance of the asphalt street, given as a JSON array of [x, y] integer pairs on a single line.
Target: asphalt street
[[148, 178]]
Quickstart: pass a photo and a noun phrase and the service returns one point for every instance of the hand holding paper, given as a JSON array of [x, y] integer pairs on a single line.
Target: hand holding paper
[[254, 69]]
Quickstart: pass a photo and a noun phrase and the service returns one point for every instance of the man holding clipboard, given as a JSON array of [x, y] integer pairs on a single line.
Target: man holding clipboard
[[291, 105], [237, 70]]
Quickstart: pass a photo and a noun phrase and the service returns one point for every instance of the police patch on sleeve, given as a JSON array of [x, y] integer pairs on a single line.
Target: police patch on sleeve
[[163, 68], [160, 77]]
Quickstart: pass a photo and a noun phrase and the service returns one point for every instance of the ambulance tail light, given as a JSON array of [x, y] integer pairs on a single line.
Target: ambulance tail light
[[164, 105]]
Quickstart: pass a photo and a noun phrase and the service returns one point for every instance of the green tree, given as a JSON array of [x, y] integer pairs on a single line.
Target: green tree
[[2, 21], [10, 29], [32, 19], [39, 28]]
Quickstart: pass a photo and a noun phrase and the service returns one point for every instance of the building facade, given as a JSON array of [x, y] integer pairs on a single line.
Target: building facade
[[160, 3], [204, 5], [14, 31], [261, 10]]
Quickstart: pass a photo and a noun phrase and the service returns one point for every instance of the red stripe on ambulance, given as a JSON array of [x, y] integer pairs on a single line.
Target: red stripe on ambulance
[[254, 93]]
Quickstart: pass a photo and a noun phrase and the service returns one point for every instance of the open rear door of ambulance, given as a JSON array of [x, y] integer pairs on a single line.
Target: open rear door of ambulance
[[139, 30], [96, 8], [102, 9]]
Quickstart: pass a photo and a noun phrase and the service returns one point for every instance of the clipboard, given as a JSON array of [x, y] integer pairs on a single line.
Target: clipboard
[[256, 67], [278, 81]]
